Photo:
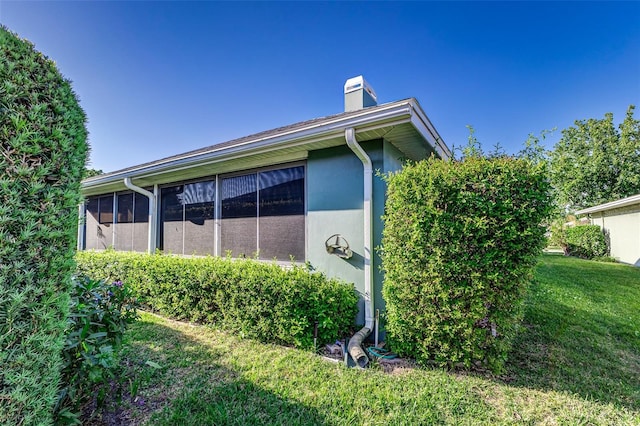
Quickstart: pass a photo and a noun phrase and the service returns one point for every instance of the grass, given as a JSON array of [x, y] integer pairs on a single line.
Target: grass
[[577, 361]]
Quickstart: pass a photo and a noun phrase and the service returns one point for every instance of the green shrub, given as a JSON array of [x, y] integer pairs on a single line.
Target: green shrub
[[459, 244], [99, 316], [42, 156], [254, 299], [586, 241]]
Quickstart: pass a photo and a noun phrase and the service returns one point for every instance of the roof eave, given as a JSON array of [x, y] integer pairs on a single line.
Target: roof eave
[[624, 202], [390, 114]]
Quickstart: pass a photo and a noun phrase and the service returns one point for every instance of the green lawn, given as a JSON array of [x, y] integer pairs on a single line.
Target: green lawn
[[577, 361]]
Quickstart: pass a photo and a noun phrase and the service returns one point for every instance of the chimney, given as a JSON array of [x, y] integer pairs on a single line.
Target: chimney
[[358, 94]]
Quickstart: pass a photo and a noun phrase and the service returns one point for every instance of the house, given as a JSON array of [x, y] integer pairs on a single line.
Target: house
[[620, 220], [307, 192]]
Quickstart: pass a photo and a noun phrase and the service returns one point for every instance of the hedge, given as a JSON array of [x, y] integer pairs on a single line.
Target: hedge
[[459, 244], [43, 152], [586, 241], [252, 298]]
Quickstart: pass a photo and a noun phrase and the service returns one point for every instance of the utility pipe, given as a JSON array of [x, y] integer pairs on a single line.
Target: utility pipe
[[355, 348], [151, 245], [82, 219]]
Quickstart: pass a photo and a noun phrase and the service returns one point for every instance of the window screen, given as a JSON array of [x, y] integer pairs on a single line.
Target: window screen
[[199, 210], [141, 209], [281, 214], [188, 213], [171, 206], [106, 210], [239, 197], [239, 216], [282, 192], [172, 216], [198, 201], [93, 207], [125, 208]]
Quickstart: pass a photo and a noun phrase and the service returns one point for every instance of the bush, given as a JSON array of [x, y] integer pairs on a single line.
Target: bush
[[459, 244], [254, 299], [42, 156], [99, 315], [586, 241]]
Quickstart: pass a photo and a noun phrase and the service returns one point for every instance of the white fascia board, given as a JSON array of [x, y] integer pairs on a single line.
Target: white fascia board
[[634, 199], [421, 122], [292, 138]]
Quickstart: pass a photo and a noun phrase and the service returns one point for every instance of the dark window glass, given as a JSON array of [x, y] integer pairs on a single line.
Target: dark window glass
[[171, 215], [199, 192], [198, 212], [171, 209], [239, 197], [125, 208], [106, 210], [92, 207], [198, 199], [282, 192], [141, 210]]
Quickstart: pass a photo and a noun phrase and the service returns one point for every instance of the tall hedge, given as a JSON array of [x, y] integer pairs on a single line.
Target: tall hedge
[[459, 244], [254, 299], [43, 151], [586, 241]]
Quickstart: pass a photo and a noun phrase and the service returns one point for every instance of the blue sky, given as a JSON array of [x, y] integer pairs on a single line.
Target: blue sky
[[161, 78]]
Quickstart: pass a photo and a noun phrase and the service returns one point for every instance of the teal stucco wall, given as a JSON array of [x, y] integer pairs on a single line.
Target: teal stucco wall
[[335, 206]]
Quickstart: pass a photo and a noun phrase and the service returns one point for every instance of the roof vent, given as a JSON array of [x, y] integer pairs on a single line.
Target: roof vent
[[358, 94]]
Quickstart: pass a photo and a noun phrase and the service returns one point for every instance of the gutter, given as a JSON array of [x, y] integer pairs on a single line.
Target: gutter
[[355, 343], [299, 136], [624, 202], [151, 244]]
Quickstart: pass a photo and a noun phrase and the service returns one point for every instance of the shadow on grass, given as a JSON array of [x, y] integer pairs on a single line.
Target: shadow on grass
[[580, 336], [186, 384]]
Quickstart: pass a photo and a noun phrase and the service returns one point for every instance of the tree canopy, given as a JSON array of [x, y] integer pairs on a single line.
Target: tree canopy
[[595, 162]]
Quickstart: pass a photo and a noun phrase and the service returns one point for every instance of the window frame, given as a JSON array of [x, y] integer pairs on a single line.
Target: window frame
[[257, 171]]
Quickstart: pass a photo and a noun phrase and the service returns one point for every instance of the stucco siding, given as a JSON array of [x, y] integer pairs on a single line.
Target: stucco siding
[[622, 227], [335, 206]]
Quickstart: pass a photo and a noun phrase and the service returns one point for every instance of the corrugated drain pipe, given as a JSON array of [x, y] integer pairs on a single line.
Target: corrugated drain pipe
[[355, 344], [151, 244]]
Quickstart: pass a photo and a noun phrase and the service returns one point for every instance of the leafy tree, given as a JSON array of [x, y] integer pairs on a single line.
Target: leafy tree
[[92, 172], [594, 162], [628, 159], [43, 151]]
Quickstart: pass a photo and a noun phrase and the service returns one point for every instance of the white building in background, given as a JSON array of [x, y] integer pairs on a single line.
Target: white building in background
[[620, 220]]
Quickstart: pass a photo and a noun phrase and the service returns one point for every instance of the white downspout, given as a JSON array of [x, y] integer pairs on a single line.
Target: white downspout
[[82, 212], [355, 349], [151, 245]]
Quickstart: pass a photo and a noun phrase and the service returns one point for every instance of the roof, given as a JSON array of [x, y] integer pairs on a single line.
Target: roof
[[634, 199], [402, 123]]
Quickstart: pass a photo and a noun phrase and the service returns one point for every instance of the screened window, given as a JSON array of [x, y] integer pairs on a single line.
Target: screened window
[[264, 212], [281, 214], [239, 215], [187, 215], [99, 211], [198, 201], [171, 205], [125, 208], [141, 209], [239, 197], [282, 192], [93, 208], [105, 216]]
